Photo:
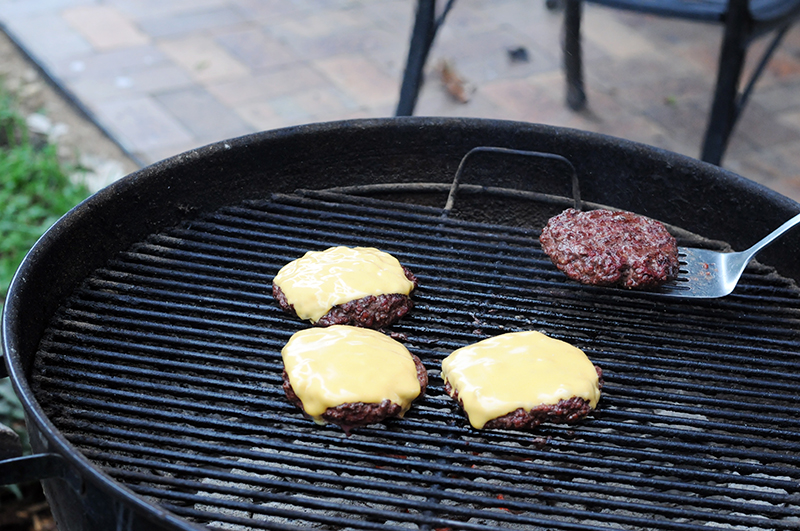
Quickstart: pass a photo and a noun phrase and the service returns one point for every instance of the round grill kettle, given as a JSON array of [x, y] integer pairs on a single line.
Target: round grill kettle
[[687, 193]]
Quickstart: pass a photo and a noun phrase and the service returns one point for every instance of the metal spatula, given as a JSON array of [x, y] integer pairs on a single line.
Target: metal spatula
[[709, 274]]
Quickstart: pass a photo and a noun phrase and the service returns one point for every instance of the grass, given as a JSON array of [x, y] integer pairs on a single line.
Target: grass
[[35, 190]]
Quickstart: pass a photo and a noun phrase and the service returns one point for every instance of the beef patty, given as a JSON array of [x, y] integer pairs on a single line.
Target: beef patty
[[566, 411], [372, 311], [520, 379], [608, 248], [354, 414]]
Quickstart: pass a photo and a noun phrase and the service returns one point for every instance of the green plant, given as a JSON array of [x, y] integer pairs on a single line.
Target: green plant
[[11, 413], [35, 190]]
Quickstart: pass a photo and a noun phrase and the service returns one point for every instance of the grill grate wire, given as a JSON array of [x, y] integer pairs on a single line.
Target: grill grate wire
[[164, 370]]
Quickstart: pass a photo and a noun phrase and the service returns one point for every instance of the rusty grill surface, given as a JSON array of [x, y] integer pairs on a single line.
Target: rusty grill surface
[[164, 370]]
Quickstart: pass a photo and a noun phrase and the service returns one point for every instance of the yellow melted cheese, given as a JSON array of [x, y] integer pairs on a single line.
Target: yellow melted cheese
[[518, 370], [342, 364], [321, 280]]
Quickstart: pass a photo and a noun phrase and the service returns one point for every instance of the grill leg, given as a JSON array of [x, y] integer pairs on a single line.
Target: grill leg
[[573, 68], [725, 109], [421, 40]]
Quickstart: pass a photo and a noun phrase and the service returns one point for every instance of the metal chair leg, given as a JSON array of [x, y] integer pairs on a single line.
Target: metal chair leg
[[573, 67], [724, 109], [421, 40]]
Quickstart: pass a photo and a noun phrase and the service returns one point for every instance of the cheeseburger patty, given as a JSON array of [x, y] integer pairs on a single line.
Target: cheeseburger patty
[[372, 311], [350, 376], [564, 412], [354, 414], [608, 248], [521, 379], [360, 286]]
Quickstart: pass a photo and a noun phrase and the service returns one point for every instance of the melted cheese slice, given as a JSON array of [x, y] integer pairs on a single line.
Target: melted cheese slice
[[342, 364], [321, 280], [518, 370]]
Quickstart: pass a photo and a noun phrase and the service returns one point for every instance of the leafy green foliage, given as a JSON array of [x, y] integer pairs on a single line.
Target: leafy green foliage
[[35, 190]]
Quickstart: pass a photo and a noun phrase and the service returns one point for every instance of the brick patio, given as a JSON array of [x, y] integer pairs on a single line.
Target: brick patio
[[164, 76]]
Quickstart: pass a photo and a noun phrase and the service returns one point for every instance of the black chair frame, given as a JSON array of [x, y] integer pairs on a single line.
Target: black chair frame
[[426, 25], [742, 24]]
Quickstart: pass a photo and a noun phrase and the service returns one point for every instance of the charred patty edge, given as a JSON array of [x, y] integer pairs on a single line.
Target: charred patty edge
[[372, 311], [566, 411], [350, 415]]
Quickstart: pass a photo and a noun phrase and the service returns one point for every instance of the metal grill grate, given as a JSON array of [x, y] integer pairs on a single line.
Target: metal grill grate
[[164, 369]]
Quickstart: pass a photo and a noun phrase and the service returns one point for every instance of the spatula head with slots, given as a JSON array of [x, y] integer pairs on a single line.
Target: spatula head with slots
[[710, 274]]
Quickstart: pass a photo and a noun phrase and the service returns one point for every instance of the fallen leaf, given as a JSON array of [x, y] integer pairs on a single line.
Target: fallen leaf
[[454, 84]]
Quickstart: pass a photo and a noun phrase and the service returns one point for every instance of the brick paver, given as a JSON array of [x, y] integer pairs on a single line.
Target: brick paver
[[361, 79], [104, 27], [163, 76], [203, 58], [256, 49], [268, 85], [149, 79], [190, 22], [147, 124], [205, 118]]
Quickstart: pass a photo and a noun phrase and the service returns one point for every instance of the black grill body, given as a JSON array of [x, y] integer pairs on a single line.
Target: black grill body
[[142, 337]]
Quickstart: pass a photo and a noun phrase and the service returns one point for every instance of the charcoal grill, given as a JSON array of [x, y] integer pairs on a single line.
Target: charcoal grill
[[142, 338]]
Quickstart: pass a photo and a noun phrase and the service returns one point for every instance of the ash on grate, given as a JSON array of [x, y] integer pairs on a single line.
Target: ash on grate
[[290, 494]]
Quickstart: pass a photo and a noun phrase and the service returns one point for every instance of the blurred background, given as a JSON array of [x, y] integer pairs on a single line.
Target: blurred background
[[164, 76]]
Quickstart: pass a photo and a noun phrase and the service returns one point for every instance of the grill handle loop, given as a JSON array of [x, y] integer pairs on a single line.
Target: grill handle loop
[[451, 198]]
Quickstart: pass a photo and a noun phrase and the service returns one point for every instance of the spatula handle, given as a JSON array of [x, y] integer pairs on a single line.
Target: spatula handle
[[772, 236]]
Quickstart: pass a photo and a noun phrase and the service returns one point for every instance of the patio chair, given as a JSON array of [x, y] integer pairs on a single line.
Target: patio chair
[[743, 22], [426, 24]]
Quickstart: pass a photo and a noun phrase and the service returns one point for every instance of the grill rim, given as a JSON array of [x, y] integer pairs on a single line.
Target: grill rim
[[175, 182]]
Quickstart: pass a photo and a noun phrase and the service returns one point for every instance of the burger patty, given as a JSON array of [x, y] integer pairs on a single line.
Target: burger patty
[[372, 311], [353, 414], [608, 248], [566, 411]]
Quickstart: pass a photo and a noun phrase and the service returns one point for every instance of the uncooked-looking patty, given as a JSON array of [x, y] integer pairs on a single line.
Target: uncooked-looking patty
[[608, 248]]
